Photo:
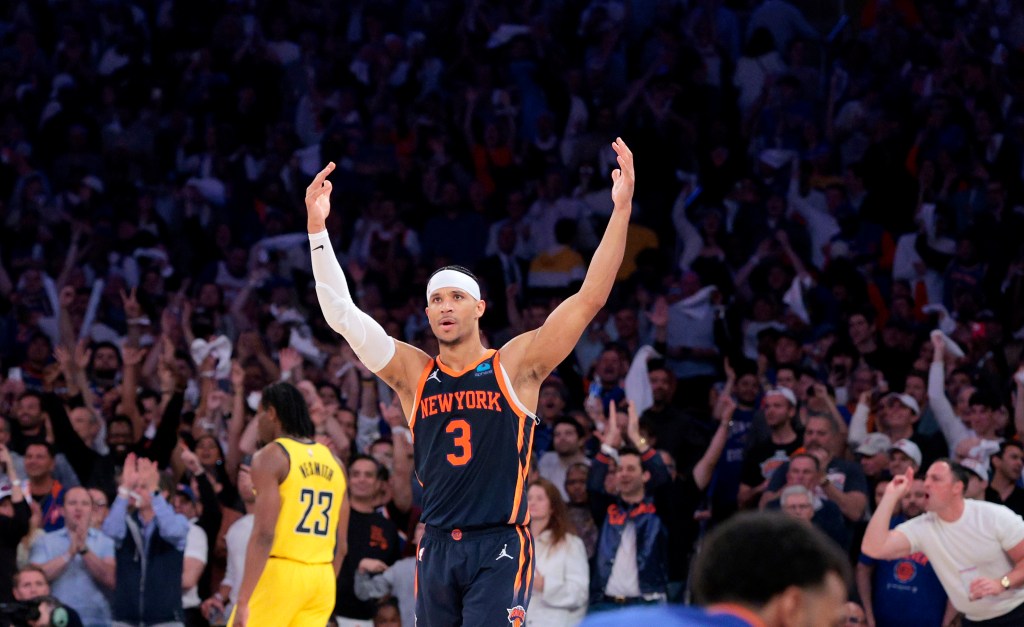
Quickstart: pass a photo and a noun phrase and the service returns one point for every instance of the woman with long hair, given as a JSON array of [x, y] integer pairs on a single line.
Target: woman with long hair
[[562, 578]]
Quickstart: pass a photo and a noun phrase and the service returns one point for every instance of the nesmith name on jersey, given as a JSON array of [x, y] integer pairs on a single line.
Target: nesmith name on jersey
[[471, 399], [316, 468]]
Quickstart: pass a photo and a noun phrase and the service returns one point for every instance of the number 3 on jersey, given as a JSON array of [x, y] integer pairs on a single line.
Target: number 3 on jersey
[[462, 442], [322, 521]]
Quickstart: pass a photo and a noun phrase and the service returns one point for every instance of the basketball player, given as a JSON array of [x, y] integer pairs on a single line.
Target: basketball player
[[301, 520], [471, 413]]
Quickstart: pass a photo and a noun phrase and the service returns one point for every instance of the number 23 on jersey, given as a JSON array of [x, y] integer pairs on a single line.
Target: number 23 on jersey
[[316, 517]]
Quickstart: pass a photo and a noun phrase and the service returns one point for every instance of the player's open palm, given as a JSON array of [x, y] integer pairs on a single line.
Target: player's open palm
[[318, 197], [622, 178]]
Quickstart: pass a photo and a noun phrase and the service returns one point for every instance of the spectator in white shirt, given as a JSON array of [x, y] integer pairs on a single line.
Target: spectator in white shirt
[[219, 605], [562, 576], [196, 552], [567, 443]]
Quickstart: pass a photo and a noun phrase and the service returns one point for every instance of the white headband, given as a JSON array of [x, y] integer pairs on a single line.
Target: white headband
[[456, 279]]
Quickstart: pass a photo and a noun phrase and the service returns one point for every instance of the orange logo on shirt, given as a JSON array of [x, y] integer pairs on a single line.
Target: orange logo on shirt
[[378, 539], [472, 399]]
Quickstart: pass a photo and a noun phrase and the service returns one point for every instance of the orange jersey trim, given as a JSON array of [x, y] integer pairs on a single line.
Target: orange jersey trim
[[419, 393], [455, 373], [524, 468]]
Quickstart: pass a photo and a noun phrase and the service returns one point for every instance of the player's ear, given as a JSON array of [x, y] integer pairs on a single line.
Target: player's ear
[[481, 307]]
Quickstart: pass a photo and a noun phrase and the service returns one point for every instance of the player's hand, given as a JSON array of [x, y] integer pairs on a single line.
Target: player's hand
[[241, 616], [318, 200], [984, 587], [623, 178]]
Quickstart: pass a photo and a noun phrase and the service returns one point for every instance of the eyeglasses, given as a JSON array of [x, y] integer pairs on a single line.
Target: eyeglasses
[[99, 504]]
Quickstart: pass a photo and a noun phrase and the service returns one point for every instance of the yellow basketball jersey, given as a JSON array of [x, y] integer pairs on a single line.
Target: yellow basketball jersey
[[311, 497]]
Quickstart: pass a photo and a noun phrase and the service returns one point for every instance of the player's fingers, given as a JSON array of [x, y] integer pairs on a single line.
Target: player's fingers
[[320, 177], [616, 174]]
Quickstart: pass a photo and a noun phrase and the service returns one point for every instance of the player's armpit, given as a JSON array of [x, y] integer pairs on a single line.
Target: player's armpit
[[402, 373]]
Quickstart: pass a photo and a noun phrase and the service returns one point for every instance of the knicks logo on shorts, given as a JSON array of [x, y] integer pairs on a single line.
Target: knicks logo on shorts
[[905, 571], [517, 615]]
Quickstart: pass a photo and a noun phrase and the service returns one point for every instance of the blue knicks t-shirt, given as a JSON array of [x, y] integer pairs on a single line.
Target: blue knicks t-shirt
[[725, 483], [906, 592], [472, 441]]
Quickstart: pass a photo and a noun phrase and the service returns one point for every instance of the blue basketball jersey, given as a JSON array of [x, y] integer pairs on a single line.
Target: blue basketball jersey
[[472, 444]]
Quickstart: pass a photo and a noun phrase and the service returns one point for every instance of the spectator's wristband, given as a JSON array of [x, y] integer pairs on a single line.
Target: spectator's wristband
[[124, 492], [610, 452]]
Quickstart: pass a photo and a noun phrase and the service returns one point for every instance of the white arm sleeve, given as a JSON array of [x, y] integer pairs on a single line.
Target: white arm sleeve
[[368, 340]]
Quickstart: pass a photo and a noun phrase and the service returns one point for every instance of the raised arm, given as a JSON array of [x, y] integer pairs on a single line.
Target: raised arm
[[537, 353], [880, 542], [952, 427], [397, 363], [705, 468]]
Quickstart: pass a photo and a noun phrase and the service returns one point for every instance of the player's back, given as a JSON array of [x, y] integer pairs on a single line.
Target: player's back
[[473, 441], [311, 496]]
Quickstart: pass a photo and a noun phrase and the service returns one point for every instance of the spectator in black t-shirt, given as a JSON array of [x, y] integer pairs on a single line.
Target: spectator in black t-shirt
[[370, 535], [14, 518], [765, 455], [671, 429], [1004, 487]]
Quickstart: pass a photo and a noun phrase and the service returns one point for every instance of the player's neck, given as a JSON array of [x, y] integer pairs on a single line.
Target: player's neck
[[461, 355]]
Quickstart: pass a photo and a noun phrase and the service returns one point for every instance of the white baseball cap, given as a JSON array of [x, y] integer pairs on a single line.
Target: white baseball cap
[[908, 448], [975, 466]]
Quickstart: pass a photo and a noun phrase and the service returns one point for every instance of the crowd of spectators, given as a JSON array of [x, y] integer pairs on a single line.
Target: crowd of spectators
[[822, 285]]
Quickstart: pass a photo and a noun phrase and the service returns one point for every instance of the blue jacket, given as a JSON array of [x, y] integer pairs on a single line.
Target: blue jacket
[[149, 576], [651, 532]]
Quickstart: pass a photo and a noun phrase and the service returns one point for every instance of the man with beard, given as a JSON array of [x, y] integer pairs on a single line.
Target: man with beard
[[554, 464], [975, 547], [903, 591], [62, 470], [104, 368], [764, 456], [843, 481], [1006, 471], [684, 436]]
